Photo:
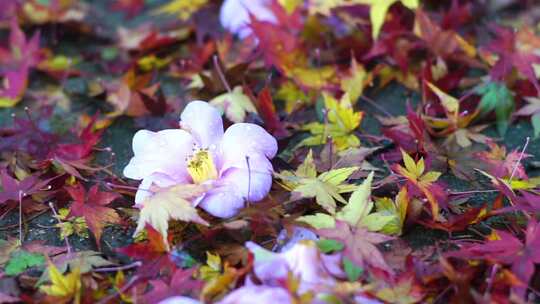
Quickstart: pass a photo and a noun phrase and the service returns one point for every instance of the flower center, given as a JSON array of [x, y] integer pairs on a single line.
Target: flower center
[[201, 167]]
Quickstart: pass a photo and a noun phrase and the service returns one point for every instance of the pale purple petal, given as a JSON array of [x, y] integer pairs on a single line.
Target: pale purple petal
[[179, 300], [244, 182], [259, 295], [160, 152], [303, 259], [249, 137], [145, 187], [234, 15], [298, 234], [222, 202], [204, 122], [332, 263], [243, 140]]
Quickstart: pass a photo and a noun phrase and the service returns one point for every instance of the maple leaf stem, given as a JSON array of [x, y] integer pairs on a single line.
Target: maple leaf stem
[[441, 295], [472, 192], [491, 279], [249, 179], [124, 187], [220, 73], [119, 268], [124, 288], [376, 106], [20, 217], [28, 219], [60, 222], [521, 154]]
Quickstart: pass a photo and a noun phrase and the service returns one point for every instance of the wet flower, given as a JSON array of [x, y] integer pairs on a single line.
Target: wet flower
[[315, 271], [179, 300], [235, 15], [235, 162], [258, 294]]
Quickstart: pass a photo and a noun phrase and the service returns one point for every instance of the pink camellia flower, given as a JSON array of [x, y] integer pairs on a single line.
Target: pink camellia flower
[[258, 294], [234, 15], [235, 163], [315, 271]]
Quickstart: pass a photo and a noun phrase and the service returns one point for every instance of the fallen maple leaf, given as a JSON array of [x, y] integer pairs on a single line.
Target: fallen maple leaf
[[325, 188], [415, 173], [170, 203], [502, 164], [405, 291], [454, 126], [511, 54], [357, 79], [268, 113], [15, 190], [378, 10], [91, 206], [359, 244], [505, 248], [356, 212], [497, 97], [182, 8], [532, 109], [396, 210], [342, 121], [153, 252], [181, 283], [21, 56], [236, 105], [65, 287]]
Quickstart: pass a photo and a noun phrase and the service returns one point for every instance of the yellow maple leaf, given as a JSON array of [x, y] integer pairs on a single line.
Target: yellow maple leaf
[[236, 105], [378, 10], [342, 120], [414, 172], [293, 96], [64, 286], [326, 188], [182, 8], [357, 212], [455, 125], [290, 5], [170, 203], [397, 209], [356, 81], [312, 77], [212, 268]]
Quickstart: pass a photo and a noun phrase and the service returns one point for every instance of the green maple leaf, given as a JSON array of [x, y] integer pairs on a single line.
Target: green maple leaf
[[21, 260], [497, 97]]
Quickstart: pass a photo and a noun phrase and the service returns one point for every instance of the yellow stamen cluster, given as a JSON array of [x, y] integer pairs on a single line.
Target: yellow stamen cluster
[[201, 167]]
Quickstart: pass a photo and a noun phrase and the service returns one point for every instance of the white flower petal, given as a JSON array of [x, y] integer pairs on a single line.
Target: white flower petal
[[204, 122], [160, 152]]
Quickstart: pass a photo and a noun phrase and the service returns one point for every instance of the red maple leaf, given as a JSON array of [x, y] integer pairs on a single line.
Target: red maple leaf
[[461, 221], [510, 250], [131, 7], [16, 60], [15, 190], [359, 244], [152, 252], [502, 164], [75, 156], [511, 56], [181, 284], [91, 206]]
